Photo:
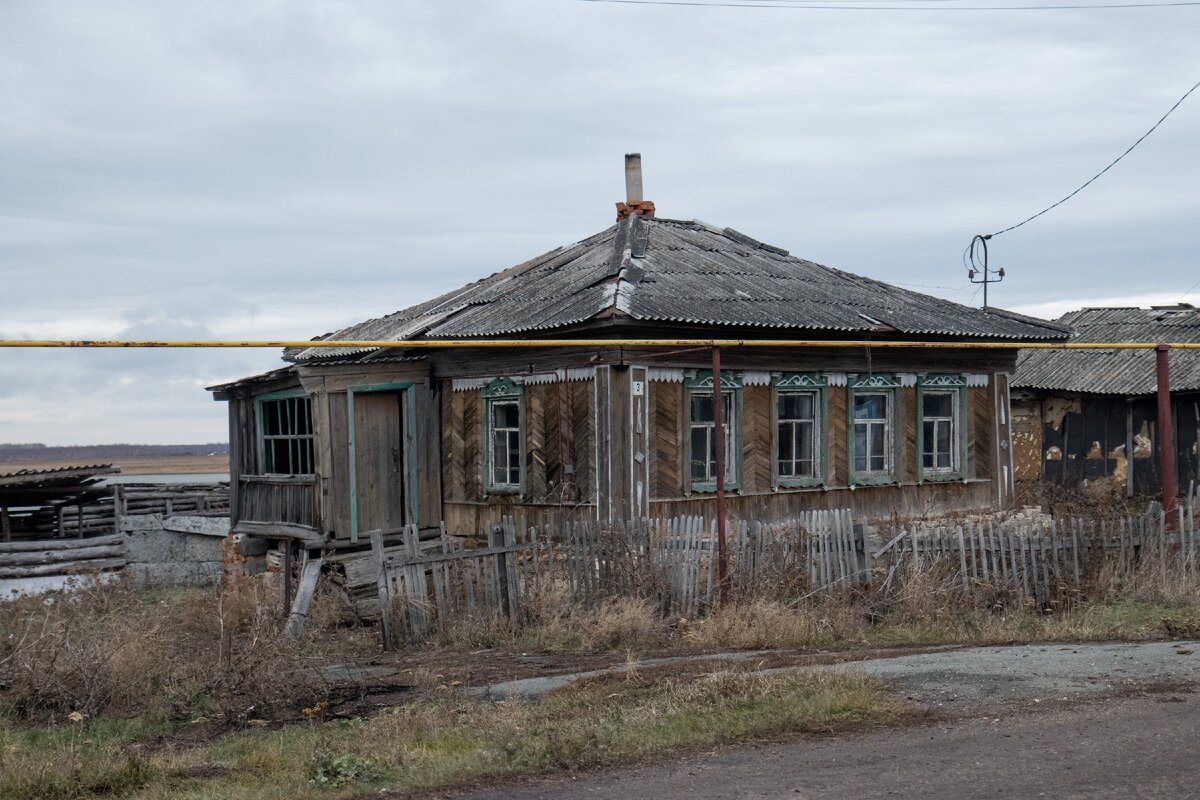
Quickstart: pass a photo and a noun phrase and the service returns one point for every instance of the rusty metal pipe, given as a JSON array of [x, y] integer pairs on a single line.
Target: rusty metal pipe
[[719, 434], [1167, 476]]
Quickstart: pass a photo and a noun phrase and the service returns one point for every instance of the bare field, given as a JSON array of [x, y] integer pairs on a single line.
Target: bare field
[[131, 465]]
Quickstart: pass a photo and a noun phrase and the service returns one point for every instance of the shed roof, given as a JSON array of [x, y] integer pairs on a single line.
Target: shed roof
[[38, 486], [1122, 372], [664, 270]]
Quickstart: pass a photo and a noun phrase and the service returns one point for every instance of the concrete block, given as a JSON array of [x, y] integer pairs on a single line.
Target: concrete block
[[199, 548], [142, 522], [174, 574], [201, 526], [153, 547]]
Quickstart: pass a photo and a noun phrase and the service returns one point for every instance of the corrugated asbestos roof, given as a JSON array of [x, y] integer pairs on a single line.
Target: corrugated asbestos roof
[[688, 272], [1122, 372]]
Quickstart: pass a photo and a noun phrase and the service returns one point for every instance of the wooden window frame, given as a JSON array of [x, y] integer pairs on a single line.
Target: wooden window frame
[[702, 384], [308, 441], [886, 385], [503, 390], [799, 383], [944, 384]]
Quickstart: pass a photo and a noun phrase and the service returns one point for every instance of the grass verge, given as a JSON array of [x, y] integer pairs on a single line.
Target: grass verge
[[440, 741]]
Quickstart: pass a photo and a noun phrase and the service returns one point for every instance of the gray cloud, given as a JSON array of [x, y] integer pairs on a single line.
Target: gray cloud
[[278, 170]]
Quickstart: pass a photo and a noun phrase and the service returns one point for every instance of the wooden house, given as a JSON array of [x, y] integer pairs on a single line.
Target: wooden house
[[343, 441], [1089, 417]]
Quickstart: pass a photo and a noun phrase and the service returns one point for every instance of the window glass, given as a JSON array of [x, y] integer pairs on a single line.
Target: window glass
[[796, 433], [872, 433], [504, 415], [939, 432], [703, 440]]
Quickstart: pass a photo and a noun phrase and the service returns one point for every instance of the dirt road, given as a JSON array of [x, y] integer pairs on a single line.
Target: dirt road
[[1061, 721], [1140, 747]]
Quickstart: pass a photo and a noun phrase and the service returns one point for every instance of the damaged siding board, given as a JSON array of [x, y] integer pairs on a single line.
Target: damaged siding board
[[1027, 439]]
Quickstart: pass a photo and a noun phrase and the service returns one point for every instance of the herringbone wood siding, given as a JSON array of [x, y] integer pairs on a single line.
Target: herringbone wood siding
[[756, 438], [583, 425], [462, 444], [536, 414], [834, 444], [906, 424], [980, 411], [667, 469]]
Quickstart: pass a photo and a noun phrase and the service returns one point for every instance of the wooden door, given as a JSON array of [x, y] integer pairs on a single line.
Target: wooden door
[[380, 491]]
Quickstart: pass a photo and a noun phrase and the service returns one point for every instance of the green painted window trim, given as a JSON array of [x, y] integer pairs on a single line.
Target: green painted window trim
[[261, 442], [943, 382], [878, 383], [734, 388], [795, 382], [502, 389], [352, 449]]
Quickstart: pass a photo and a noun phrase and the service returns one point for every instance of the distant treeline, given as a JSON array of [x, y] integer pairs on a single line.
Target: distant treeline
[[103, 453]]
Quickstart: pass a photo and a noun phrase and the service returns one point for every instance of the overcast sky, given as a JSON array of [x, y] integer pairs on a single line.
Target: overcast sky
[[281, 169]]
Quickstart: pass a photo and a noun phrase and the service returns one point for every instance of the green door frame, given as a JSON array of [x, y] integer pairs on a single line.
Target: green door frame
[[410, 473]]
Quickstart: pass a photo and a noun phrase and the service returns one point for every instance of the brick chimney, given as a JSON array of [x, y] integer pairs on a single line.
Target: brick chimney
[[634, 204]]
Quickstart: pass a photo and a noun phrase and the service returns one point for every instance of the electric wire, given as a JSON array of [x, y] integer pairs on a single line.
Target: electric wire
[[1106, 169]]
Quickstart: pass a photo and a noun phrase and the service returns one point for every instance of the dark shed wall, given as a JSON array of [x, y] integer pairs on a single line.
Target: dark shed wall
[[1109, 443]]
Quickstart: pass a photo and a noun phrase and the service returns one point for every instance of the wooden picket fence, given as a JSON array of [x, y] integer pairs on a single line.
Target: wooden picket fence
[[672, 563], [1039, 561]]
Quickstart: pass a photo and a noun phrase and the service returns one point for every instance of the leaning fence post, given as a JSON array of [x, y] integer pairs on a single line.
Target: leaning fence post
[[498, 541], [866, 540], [381, 587]]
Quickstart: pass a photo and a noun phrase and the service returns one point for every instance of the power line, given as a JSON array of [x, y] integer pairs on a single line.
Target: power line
[[1106, 169], [1191, 289], [843, 5]]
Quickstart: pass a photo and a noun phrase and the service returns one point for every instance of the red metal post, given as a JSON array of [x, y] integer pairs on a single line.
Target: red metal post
[[1167, 476], [719, 434]]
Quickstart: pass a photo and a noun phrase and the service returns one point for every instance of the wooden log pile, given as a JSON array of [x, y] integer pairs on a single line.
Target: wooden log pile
[[97, 516], [61, 556]]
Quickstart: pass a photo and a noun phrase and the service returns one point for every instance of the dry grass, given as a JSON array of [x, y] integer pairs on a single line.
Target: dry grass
[[444, 741], [112, 649]]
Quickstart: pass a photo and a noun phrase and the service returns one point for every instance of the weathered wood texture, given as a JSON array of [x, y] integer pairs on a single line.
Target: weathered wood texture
[[671, 563], [33, 559], [757, 437], [560, 457], [269, 498], [906, 431], [667, 468], [906, 500], [97, 516], [837, 456], [379, 461], [980, 409]]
